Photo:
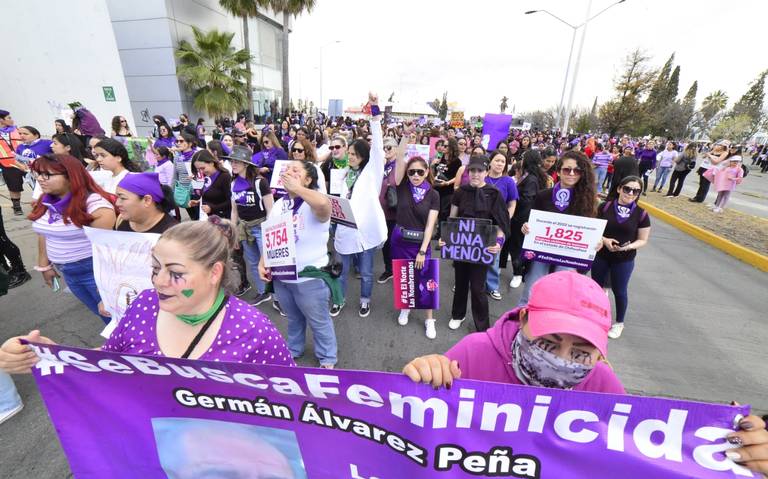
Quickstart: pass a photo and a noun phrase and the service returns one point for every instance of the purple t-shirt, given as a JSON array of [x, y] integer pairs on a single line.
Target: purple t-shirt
[[507, 186], [37, 148], [246, 334]]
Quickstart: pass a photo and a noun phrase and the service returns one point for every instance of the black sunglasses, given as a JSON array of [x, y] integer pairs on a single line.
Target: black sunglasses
[[297, 150], [387, 148], [570, 171], [416, 171], [335, 147], [631, 191]]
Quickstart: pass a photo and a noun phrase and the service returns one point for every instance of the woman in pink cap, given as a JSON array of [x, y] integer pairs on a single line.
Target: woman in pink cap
[[558, 340]]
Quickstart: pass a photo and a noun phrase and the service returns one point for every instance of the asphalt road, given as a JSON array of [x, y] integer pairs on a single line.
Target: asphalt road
[[695, 329]]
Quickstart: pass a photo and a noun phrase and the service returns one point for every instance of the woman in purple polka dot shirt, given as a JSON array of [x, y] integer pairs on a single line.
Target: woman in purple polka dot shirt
[[189, 313]]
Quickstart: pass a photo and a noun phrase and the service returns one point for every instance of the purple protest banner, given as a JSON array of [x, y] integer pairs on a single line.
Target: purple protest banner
[[495, 129], [415, 288], [127, 416]]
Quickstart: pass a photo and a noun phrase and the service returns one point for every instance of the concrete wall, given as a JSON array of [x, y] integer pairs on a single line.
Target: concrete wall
[[56, 53]]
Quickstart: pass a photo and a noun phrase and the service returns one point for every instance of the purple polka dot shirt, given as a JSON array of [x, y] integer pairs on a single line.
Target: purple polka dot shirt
[[246, 334]]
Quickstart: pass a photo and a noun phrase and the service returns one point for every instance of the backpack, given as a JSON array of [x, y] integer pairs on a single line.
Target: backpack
[[691, 164], [745, 168]]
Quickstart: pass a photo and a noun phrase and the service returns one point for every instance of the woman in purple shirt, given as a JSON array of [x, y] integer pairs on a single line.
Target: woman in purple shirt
[[190, 313], [497, 176], [647, 159]]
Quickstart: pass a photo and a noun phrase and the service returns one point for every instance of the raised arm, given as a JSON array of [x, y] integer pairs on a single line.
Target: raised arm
[[376, 160]]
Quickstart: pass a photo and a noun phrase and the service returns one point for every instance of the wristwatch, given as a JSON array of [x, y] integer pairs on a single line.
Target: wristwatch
[[422, 252]]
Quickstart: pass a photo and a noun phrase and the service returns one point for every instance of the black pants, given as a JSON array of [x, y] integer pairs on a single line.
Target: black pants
[[470, 279], [643, 169], [701, 194], [239, 262], [386, 250], [194, 213], [10, 254], [679, 177]]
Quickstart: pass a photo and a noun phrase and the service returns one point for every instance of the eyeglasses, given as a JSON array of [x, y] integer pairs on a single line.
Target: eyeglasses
[[123, 121], [335, 147], [571, 171], [631, 191], [416, 171], [265, 143], [179, 142], [387, 148], [297, 150], [45, 176]]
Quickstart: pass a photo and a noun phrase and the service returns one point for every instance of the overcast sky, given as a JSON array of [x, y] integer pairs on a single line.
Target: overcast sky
[[486, 49]]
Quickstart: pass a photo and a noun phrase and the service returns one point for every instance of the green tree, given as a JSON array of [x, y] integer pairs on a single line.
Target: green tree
[[751, 105], [736, 128], [674, 84], [214, 71], [713, 104], [689, 108], [624, 112], [245, 9], [289, 8], [443, 113]]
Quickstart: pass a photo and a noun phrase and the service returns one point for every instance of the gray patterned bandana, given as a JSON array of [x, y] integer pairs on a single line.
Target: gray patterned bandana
[[536, 367]]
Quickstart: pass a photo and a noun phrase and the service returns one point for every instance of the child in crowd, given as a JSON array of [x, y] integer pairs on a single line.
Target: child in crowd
[[725, 182]]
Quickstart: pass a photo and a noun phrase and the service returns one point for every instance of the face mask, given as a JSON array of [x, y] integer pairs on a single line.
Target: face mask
[[536, 367]]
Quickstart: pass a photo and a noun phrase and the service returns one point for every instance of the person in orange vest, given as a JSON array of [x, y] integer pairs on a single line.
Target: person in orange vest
[[13, 171]]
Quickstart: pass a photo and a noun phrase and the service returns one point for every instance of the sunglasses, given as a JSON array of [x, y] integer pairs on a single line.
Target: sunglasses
[[265, 143], [179, 142], [387, 148], [416, 171], [297, 150], [335, 147], [571, 171], [631, 191]]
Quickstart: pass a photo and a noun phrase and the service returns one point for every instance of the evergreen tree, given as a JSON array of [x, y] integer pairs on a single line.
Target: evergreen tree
[[624, 112], [443, 113], [658, 94], [689, 107], [673, 85], [751, 104]]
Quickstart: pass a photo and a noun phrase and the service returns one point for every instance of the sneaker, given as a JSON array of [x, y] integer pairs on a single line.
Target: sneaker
[[455, 323], [430, 330], [517, 280], [717, 210], [669, 196], [261, 298], [276, 305], [18, 212], [616, 330], [385, 276], [327, 366], [244, 288], [645, 194], [402, 320], [9, 414], [18, 279], [336, 309], [365, 310], [495, 295], [710, 206]]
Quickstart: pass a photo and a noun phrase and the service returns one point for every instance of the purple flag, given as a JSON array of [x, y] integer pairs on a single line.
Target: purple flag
[[495, 129], [416, 288], [127, 416]]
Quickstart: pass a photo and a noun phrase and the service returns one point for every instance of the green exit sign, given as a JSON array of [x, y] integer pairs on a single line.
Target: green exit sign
[[109, 93]]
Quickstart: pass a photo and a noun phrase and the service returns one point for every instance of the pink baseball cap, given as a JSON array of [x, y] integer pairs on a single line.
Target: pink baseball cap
[[568, 302]]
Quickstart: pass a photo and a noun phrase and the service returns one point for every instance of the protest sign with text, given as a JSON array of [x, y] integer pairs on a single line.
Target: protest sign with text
[[276, 182], [566, 240], [155, 416], [415, 288], [413, 149], [337, 180], [280, 246], [341, 211], [457, 119], [467, 240]]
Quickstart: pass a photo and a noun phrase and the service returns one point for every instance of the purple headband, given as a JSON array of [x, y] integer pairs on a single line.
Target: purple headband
[[143, 184]]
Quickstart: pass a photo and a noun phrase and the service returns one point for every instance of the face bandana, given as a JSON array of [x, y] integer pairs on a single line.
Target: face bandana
[[536, 367]]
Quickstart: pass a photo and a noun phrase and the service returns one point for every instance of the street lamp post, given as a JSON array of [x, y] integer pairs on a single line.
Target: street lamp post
[[320, 107], [570, 55]]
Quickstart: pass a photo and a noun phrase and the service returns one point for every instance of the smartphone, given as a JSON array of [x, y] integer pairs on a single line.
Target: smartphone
[[56, 285]]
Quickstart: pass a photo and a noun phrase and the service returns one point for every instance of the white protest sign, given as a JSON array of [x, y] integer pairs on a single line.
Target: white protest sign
[[413, 149], [280, 246], [280, 167], [341, 211], [102, 177], [566, 240], [122, 267], [337, 180]]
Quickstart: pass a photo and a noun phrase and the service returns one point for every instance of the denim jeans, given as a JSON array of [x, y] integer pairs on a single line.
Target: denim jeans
[[662, 173], [79, 277], [364, 262], [252, 254], [9, 398], [620, 274], [536, 271], [600, 173], [307, 302], [492, 280]]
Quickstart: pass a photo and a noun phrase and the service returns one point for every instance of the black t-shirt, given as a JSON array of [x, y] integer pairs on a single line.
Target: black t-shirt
[[413, 216], [217, 196], [446, 172], [625, 232], [543, 202], [493, 206], [167, 221], [249, 204]]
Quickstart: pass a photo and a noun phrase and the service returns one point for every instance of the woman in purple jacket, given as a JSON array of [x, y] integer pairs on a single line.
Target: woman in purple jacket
[[647, 159]]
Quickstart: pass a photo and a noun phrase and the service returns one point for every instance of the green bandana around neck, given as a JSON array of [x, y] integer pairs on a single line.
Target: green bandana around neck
[[341, 162], [195, 319]]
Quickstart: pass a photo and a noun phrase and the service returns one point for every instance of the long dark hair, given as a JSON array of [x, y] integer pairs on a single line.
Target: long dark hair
[[65, 128], [71, 140], [584, 198], [452, 151], [115, 148], [417, 159], [532, 166], [362, 150]]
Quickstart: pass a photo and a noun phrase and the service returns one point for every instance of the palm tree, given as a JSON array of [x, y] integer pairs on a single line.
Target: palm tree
[[245, 9], [288, 8], [214, 71], [714, 103]]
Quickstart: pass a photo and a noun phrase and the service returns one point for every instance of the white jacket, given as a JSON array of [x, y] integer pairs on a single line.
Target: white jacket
[[371, 229]]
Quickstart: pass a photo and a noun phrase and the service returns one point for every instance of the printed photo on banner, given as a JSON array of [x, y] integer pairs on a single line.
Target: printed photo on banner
[[277, 234], [341, 211], [457, 119], [566, 240], [433, 146], [281, 166], [187, 417], [467, 240], [415, 288], [122, 268], [413, 149]]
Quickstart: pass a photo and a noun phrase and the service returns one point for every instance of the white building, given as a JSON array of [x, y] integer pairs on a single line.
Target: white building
[[82, 50]]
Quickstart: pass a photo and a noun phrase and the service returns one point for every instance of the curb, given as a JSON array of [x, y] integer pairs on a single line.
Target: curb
[[746, 255]]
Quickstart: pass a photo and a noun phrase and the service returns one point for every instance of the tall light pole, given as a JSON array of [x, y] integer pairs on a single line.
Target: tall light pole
[[320, 106], [587, 19]]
